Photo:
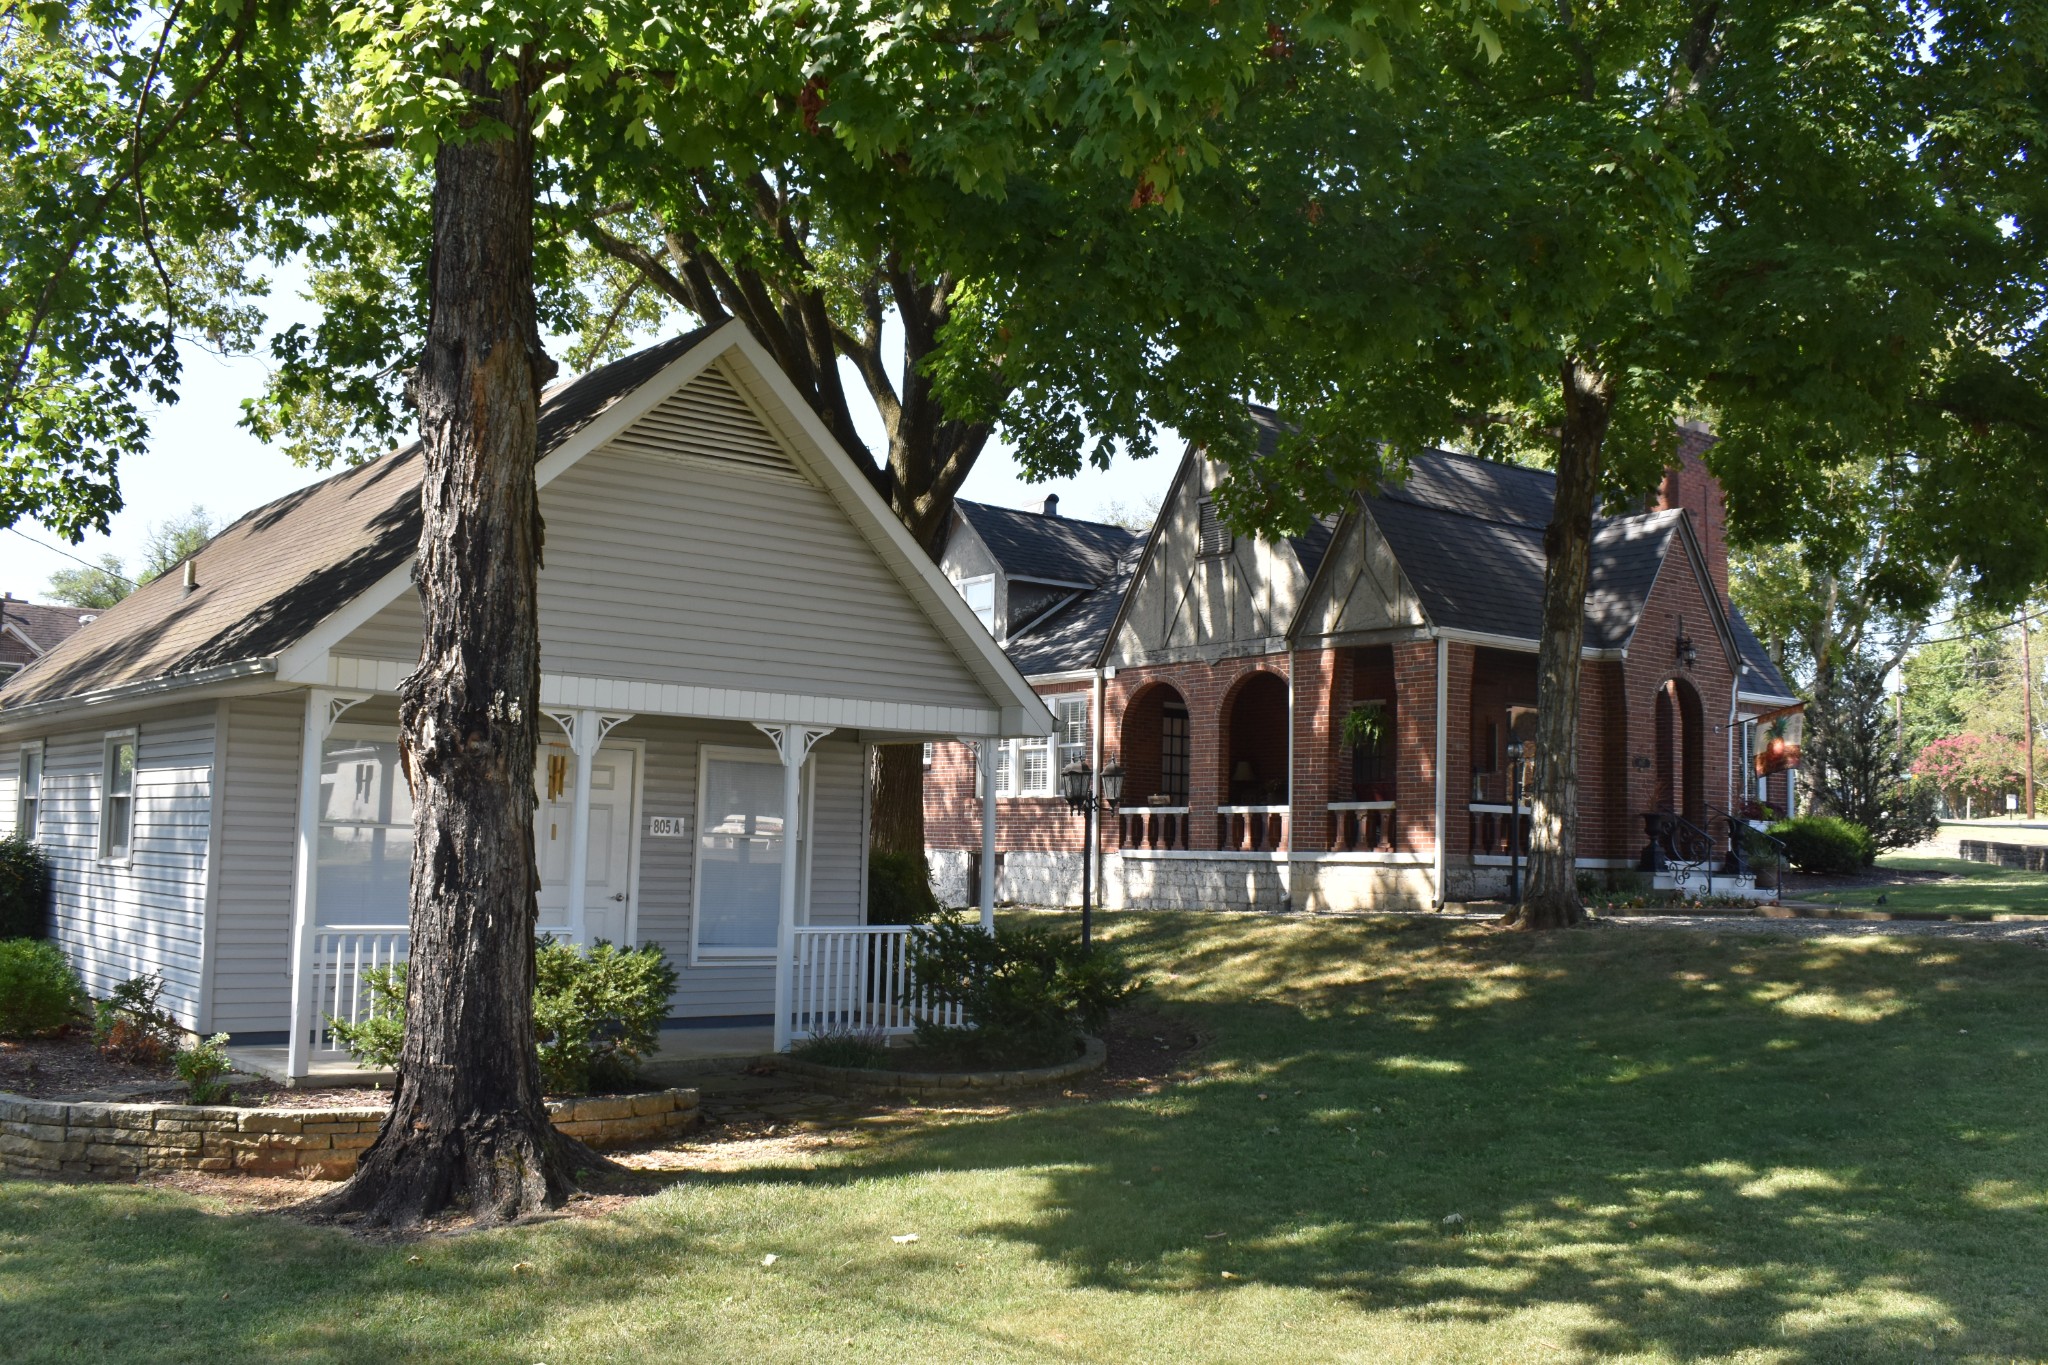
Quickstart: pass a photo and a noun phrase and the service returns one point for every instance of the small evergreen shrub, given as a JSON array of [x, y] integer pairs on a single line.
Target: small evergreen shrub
[[376, 1039], [900, 889], [204, 1069], [1824, 845], [24, 889], [131, 1026], [597, 1014], [39, 993], [861, 1051], [1028, 993]]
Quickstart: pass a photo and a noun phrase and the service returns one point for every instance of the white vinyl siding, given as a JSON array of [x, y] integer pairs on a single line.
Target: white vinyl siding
[[252, 933], [700, 575], [146, 913], [669, 789]]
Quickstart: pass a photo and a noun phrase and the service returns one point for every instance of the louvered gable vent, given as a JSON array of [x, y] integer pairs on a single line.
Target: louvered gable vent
[[708, 420]]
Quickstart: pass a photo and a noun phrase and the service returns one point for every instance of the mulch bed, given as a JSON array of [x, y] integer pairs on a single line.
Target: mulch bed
[[1146, 1051], [68, 1066]]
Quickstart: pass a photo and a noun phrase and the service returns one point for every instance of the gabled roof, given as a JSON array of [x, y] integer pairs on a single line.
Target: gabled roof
[[1487, 576], [29, 630], [1048, 549], [1070, 637], [1760, 677], [279, 587], [269, 578]]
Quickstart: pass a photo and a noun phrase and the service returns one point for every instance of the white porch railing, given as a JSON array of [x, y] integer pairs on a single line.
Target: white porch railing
[[856, 979], [341, 954]]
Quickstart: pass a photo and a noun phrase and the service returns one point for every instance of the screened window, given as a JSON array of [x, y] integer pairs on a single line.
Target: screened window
[[981, 599], [364, 863], [117, 802], [1072, 715], [29, 803], [1173, 752], [739, 854]]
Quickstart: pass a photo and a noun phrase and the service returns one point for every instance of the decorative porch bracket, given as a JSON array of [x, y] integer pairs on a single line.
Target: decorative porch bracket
[[793, 743], [586, 730], [323, 709]]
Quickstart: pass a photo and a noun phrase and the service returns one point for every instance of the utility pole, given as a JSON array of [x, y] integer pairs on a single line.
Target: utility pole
[[2027, 693]]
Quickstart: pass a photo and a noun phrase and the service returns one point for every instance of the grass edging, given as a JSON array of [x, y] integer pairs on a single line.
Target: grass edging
[[870, 1080]]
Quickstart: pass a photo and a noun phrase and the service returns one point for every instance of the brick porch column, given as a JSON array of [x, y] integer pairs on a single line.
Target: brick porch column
[[1460, 659], [1415, 746], [1322, 689]]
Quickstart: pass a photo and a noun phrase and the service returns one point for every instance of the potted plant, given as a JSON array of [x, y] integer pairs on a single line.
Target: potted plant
[[1365, 731]]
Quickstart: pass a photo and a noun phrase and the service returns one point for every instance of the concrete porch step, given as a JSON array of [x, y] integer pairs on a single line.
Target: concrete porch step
[[1692, 879]]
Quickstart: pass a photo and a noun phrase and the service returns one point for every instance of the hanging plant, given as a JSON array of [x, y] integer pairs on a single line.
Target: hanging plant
[[1365, 726]]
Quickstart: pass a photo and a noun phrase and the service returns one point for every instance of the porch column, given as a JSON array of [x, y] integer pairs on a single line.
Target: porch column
[[1443, 784], [793, 743], [586, 730], [323, 708], [987, 763]]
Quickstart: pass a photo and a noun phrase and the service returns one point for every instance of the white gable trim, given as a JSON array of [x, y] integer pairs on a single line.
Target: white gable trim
[[822, 457], [818, 455], [18, 633]]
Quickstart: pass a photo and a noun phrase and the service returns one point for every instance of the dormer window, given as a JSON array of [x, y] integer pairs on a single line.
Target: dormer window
[[981, 599]]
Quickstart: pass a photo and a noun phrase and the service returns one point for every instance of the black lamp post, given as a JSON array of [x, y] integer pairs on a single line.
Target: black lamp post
[[1076, 786], [1515, 752]]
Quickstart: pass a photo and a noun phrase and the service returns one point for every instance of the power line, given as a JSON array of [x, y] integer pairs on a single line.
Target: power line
[[60, 550]]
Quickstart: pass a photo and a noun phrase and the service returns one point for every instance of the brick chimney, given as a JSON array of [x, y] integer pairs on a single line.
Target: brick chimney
[[1691, 486]]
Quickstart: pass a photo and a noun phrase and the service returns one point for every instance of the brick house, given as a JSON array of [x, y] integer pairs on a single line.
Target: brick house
[[1220, 673]]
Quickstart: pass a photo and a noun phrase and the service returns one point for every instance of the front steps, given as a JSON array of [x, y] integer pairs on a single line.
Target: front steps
[[1692, 881]]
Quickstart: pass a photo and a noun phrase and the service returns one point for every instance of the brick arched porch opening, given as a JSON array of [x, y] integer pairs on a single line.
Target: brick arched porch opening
[[1681, 751], [1252, 721], [1153, 744]]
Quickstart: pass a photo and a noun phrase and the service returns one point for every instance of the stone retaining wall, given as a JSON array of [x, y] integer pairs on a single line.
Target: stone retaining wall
[[56, 1137], [2027, 857], [933, 1085]]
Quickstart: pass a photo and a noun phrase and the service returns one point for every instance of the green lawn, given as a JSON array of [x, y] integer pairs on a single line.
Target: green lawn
[[1663, 1146], [1965, 888]]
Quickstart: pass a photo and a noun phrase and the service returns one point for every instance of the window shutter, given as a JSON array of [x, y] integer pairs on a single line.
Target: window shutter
[[1216, 537]]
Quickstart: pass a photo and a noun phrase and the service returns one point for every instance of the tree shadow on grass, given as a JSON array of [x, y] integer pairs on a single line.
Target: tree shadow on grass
[[1655, 1143]]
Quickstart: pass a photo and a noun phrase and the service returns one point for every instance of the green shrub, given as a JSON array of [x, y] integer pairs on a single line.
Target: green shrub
[[204, 1069], [375, 1041], [24, 889], [131, 1026], [862, 1051], [1823, 845], [39, 993], [1027, 993], [900, 889], [597, 1014], [1911, 815]]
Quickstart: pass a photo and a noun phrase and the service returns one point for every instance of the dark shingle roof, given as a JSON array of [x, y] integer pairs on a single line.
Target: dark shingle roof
[[1070, 637], [1760, 676], [1487, 576], [1048, 549], [268, 579], [48, 624]]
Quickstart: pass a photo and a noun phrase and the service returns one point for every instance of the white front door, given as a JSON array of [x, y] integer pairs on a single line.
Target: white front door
[[608, 887]]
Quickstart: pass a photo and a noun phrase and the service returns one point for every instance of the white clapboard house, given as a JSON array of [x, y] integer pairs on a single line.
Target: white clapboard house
[[730, 618]]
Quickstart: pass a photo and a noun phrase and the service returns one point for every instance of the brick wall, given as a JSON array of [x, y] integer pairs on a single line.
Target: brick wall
[[1415, 746], [1254, 732], [1677, 601]]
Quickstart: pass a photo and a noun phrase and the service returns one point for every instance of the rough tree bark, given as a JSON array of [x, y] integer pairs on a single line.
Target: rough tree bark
[[1551, 899], [467, 1127]]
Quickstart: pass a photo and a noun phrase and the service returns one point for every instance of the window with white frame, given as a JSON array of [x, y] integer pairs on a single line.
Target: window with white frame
[[1215, 535], [117, 797], [931, 751], [1034, 767], [981, 599], [1072, 715], [28, 812], [1005, 765]]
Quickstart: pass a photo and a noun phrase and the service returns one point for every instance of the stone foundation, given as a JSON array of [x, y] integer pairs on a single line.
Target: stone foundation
[[1133, 882], [118, 1141], [2028, 857]]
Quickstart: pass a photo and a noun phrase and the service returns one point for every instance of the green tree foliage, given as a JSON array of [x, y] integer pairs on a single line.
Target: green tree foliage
[[1816, 224], [169, 543], [1854, 766]]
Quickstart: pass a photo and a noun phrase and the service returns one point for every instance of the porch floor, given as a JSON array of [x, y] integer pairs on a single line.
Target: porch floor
[[681, 1054]]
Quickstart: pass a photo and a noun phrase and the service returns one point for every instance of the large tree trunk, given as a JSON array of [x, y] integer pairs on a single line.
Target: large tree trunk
[[467, 1127], [898, 813], [1551, 899]]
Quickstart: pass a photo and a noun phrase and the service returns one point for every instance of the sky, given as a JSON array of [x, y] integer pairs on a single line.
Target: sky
[[199, 455]]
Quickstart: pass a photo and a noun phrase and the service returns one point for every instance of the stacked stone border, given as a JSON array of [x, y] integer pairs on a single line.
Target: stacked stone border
[[2027, 857], [114, 1141], [944, 1084]]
